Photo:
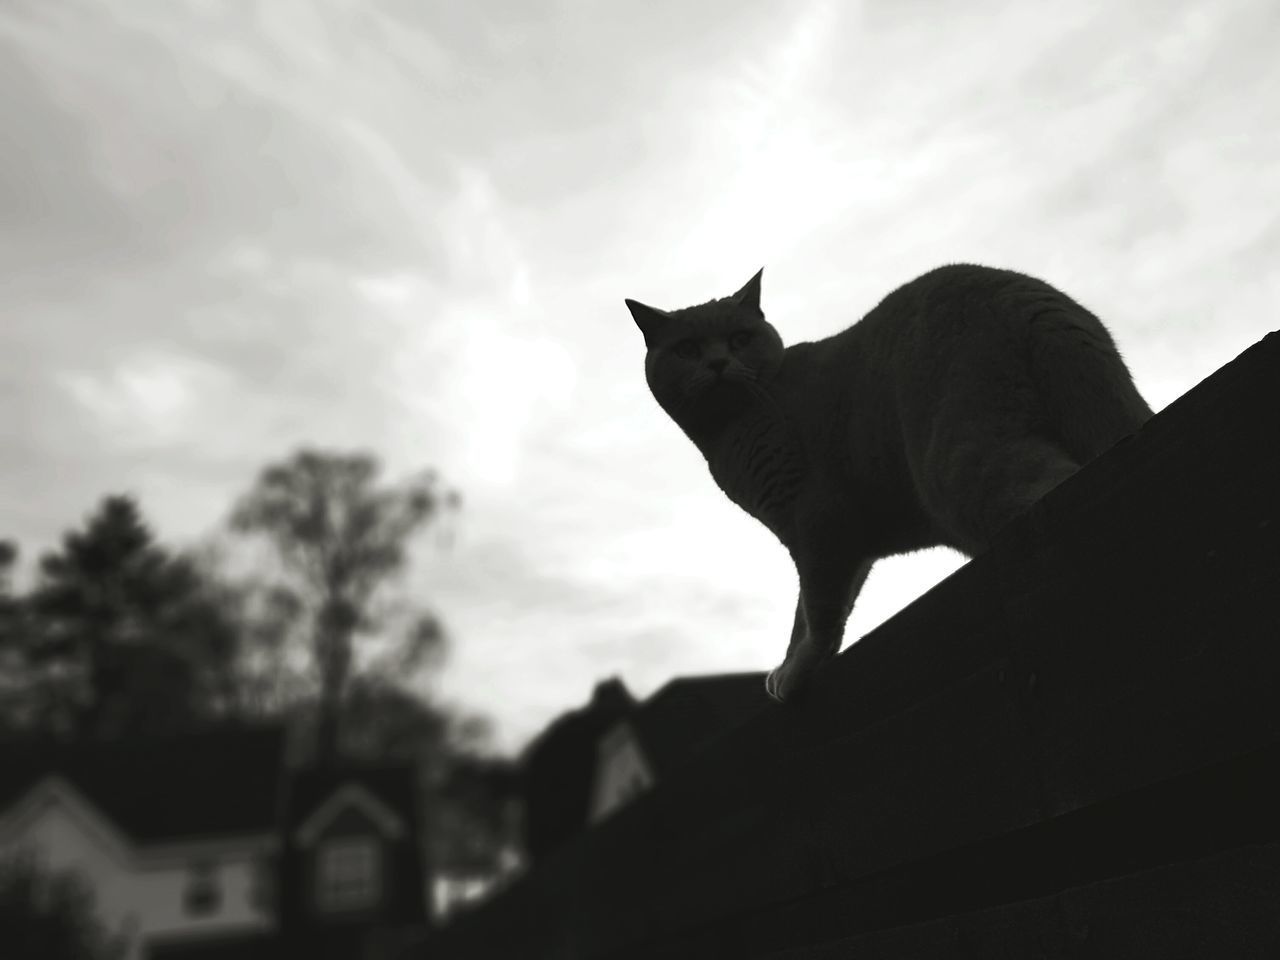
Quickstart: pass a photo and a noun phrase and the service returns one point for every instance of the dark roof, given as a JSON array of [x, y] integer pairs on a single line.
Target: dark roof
[[213, 783], [609, 701], [393, 784], [673, 725], [559, 765], [689, 713]]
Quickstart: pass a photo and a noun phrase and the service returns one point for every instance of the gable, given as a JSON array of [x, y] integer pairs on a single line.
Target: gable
[[56, 817], [351, 808], [351, 821], [54, 814]]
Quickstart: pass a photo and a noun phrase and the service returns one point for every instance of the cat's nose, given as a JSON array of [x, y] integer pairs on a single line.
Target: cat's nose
[[718, 364]]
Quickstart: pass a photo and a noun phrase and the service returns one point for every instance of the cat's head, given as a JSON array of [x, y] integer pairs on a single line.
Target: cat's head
[[713, 350]]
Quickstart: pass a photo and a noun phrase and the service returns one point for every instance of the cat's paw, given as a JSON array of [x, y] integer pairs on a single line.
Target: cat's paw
[[782, 683], [771, 685], [786, 681]]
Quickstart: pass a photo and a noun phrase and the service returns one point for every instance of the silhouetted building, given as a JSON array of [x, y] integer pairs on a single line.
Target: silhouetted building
[[667, 731], [559, 769], [593, 760]]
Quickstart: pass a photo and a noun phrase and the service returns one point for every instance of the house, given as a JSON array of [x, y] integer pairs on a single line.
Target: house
[[206, 845], [175, 837], [593, 760]]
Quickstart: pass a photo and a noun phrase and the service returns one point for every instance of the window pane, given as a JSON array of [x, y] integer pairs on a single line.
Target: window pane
[[203, 893], [349, 873]]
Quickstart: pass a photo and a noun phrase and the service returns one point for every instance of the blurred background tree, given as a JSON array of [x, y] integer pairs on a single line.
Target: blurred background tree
[[118, 635], [342, 540], [11, 611], [8, 560]]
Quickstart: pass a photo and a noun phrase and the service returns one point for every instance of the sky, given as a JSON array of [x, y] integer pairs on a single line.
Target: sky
[[232, 229]]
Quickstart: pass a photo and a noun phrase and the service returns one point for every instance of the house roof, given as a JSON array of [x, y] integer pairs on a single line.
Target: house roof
[[213, 783], [390, 788], [689, 713], [673, 725], [576, 730], [559, 766]]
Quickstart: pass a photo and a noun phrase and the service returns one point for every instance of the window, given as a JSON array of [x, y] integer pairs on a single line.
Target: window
[[203, 894], [348, 873]]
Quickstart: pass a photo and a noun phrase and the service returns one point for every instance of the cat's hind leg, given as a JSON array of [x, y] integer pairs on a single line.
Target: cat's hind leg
[[1004, 480]]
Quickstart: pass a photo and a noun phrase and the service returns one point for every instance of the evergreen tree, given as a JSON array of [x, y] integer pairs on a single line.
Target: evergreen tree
[[121, 636], [12, 612]]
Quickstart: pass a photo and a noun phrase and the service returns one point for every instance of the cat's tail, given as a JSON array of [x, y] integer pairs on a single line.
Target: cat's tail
[[1086, 386]]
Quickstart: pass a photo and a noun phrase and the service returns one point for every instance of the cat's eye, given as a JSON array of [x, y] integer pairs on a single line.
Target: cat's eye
[[688, 350], [740, 339]]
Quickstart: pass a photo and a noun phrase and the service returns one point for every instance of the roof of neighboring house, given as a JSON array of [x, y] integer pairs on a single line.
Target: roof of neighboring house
[[392, 786], [215, 783], [687, 714], [678, 721], [559, 766]]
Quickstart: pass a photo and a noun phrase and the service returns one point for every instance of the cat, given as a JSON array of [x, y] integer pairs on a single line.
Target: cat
[[956, 403]]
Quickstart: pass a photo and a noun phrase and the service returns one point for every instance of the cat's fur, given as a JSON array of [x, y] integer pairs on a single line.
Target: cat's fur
[[955, 404]]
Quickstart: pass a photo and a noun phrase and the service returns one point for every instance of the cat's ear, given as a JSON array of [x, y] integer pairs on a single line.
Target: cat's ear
[[749, 296], [650, 320]]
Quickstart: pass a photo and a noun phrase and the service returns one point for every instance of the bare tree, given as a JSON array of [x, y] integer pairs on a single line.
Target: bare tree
[[343, 538]]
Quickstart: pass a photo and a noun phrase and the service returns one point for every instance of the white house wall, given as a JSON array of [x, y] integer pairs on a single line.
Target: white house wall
[[135, 896], [161, 889]]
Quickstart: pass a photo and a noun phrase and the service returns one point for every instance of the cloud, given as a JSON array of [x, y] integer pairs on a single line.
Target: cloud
[[151, 399]]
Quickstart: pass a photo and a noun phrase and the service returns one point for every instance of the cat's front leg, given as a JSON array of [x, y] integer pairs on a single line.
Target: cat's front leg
[[827, 594]]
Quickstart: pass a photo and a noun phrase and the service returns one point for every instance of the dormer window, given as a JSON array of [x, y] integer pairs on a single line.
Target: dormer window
[[348, 873]]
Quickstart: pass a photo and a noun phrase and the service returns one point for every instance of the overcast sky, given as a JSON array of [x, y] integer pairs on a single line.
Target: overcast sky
[[228, 229]]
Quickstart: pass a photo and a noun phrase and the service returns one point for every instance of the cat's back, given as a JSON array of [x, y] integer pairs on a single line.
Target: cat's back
[[963, 342], [959, 319], [950, 298], [919, 328]]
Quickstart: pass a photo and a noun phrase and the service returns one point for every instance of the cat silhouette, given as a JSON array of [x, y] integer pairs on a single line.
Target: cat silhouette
[[951, 407]]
